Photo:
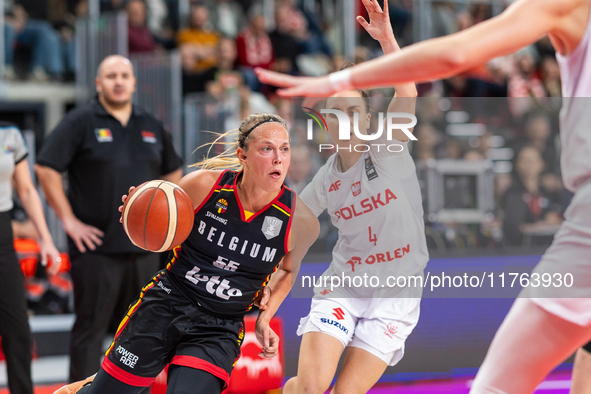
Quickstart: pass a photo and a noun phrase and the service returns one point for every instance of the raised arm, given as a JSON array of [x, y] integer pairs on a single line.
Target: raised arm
[[521, 24]]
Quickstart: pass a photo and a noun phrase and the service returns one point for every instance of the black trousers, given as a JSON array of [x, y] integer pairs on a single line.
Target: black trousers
[[14, 323], [104, 286]]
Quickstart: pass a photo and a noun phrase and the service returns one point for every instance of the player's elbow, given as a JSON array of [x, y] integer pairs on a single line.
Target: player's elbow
[[455, 61]]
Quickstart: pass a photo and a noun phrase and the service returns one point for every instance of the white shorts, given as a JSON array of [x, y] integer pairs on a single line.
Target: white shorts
[[570, 253], [377, 325]]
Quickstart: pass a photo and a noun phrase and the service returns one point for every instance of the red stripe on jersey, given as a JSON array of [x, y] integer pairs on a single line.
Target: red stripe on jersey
[[124, 376], [210, 192], [197, 363], [288, 232], [283, 206]]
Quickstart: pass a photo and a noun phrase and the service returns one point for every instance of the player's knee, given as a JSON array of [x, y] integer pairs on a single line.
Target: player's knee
[[312, 385]]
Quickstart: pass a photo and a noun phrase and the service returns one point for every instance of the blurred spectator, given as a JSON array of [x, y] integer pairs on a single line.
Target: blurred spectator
[[285, 46], [525, 82], [254, 48], [551, 77], [427, 140], [112, 5], [527, 205], [224, 71], [139, 35], [39, 35], [538, 133], [444, 18], [473, 155], [300, 171], [227, 17], [198, 43], [157, 13], [454, 149]]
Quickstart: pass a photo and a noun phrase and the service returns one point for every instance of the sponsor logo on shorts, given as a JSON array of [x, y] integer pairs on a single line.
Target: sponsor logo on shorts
[[335, 323], [356, 189], [338, 313], [391, 329], [103, 135], [166, 289], [127, 357], [271, 227], [215, 217], [221, 205], [149, 137]]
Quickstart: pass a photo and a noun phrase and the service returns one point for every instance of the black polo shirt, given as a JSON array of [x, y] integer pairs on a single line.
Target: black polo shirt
[[103, 160]]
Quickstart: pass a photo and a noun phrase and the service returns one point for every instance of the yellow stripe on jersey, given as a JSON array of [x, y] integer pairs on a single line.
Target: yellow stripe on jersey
[[276, 206], [247, 214]]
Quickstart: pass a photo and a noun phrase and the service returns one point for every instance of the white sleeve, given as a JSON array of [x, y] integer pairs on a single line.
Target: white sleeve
[[314, 195], [398, 163]]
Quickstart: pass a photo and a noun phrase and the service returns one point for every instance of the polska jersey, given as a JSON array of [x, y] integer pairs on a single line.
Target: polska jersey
[[376, 205], [228, 257], [575, 116]]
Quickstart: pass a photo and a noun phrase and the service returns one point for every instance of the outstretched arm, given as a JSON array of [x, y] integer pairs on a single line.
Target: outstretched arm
[[521, 24], [380, 29]]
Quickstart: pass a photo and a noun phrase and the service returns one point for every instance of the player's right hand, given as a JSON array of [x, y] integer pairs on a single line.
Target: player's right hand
[[83, 235], [124, 198]]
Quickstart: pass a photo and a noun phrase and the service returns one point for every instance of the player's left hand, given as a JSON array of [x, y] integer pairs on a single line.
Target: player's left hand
[[268, 340], [123, 199], [379, 26]]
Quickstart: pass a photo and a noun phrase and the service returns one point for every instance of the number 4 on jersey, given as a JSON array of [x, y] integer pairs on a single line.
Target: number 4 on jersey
[[372, 237]]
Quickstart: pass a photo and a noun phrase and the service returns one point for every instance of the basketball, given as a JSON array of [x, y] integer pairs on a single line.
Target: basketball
[[157, 216]]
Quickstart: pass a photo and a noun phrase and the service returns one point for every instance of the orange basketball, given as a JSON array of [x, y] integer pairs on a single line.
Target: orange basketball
[[158, 216]]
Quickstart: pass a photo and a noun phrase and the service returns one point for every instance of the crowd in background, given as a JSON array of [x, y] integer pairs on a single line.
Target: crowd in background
[[221, 42]]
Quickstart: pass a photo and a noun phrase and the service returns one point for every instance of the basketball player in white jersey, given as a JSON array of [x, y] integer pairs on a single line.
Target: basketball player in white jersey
[[364, 194], [539, 332]]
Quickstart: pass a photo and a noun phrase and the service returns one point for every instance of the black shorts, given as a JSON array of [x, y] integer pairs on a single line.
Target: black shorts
[[162, 327]]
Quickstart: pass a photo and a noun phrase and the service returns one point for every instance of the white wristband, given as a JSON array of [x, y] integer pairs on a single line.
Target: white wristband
[[341, 80]]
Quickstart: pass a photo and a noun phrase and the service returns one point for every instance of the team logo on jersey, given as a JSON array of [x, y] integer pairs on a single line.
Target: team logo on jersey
[[221, 205], [271, 227], [7, 149], [338, 313], [356, 188], [148, 137], [370, 169], [103, 135]]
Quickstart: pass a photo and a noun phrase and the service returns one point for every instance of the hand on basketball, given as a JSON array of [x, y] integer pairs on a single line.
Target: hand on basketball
[[297, 86], [124, 198], [83, 235], [263, 298], [268, 340], [379, 26]]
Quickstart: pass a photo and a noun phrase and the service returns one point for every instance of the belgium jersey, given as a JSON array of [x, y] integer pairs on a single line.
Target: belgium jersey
[[229, 256]]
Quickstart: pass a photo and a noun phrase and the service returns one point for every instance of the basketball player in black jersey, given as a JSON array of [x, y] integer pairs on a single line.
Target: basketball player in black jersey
[[248, 225]]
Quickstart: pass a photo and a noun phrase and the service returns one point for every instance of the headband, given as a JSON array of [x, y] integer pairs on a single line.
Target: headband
[[258, 124]]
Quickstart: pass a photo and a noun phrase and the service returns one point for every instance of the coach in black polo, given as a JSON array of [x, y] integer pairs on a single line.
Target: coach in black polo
[[106, 146]]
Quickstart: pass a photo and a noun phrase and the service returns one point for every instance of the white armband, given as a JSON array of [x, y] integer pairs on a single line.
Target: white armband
[[341, 80]]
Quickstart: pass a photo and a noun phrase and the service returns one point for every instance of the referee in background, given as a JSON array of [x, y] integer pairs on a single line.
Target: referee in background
[[106, 146]]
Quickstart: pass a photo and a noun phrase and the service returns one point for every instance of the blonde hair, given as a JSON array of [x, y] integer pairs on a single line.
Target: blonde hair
[[228, 159]]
